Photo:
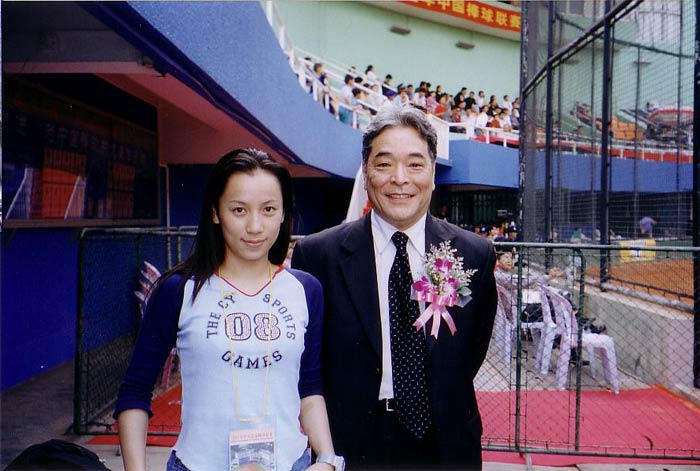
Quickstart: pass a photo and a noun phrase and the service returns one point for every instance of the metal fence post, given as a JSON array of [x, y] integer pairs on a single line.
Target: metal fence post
[[696, 205], [79, 354], [579, 346], [605, 142], [519, 349]]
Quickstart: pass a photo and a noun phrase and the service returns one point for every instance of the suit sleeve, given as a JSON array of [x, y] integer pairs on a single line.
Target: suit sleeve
[[486, 309], [299, 260]]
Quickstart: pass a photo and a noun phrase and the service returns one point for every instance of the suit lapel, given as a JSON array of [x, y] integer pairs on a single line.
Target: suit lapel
[[435, 233], [359, 273]]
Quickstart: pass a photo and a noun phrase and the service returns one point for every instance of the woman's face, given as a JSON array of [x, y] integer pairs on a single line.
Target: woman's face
[[250, 213]]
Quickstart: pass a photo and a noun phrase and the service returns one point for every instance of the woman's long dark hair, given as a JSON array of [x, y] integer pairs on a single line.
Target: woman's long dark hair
[[209, 247]]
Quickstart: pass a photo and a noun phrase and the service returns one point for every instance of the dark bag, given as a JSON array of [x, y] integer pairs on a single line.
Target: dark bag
[[57, 455], [532, 313]]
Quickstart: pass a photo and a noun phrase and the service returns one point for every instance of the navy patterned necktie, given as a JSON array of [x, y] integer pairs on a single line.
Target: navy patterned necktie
[[408, 346]]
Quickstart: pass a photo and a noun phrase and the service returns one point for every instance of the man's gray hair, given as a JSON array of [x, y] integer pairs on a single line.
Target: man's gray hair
[[399, 117]]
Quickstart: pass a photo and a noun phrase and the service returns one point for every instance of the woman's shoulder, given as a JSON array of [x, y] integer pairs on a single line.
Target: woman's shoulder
[[307, 280], [171, 283]]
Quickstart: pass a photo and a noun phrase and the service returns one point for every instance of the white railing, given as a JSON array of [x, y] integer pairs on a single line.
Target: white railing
[[302, 61]]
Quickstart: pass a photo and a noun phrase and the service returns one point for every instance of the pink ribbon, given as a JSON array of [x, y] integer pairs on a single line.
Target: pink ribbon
[[422, 291]]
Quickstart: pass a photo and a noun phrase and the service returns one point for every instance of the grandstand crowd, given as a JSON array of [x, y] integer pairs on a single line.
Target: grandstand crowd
[[363, 94]]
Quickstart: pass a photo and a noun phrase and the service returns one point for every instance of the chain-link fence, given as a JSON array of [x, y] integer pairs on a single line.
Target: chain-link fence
[[109, 316], [607, 137], [574, 365], [580, 366]]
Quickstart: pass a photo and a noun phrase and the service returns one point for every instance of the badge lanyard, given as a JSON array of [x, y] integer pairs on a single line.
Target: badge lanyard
[[234, 376]]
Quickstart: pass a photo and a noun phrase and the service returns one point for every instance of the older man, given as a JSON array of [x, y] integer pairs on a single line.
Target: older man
[[397, 396]]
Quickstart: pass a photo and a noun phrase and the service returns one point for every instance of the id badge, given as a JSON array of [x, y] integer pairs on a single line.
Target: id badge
[[252, 448]]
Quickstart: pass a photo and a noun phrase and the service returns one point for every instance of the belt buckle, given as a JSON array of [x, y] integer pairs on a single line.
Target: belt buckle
[[387, 407]]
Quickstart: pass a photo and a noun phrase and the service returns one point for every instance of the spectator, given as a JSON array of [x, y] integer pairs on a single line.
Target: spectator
[[419, 99], [376, 99], [515, 115], [480, 99], [403, 95], [494, 109], [578, 237], [470, 100], [494, 122], [392, 100], [386, 85], [471, 123], [494, 232], [438, 90], [321, 87], [506, 104], [410, 92], [462, 111], [369, 73], [482, 120], [346, 91], [512, 233], [460, 96], [431, 103], [455, 117], [345, 114], [503, 269], [646, 226], [320, 74], [442, 110], [504, 120]]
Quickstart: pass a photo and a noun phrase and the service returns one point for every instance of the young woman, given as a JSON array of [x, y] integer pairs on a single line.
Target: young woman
[[247, 331]]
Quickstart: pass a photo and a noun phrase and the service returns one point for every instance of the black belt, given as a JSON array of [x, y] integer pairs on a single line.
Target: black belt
[[387, 405]]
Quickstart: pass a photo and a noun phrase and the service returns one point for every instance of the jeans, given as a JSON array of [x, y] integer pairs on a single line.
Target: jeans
[[304, 461]]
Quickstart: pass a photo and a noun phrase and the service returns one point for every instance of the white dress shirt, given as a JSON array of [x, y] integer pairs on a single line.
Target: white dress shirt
[[384, 252]]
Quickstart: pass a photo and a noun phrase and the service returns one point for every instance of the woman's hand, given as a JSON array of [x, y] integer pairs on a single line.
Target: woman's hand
[[320, 467]]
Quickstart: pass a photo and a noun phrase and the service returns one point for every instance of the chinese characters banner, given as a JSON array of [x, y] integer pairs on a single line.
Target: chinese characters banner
[[475, 12]]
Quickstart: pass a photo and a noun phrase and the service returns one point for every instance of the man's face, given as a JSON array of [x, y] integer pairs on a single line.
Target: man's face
[[505, 262], [399, 176]]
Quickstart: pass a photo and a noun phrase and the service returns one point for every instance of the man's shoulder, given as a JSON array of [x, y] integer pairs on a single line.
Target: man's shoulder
[[332, 235]]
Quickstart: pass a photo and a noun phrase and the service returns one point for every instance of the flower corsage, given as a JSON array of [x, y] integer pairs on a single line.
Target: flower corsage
[[444, 284]]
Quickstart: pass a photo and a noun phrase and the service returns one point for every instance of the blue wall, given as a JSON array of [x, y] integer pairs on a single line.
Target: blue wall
[[39, 301], [575, 171], [480, 164]]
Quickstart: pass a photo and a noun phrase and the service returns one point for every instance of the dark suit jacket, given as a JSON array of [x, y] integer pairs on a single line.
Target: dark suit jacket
[[342, 258]]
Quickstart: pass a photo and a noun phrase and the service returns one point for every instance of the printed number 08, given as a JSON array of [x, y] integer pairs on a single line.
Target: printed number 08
[[238, 326]]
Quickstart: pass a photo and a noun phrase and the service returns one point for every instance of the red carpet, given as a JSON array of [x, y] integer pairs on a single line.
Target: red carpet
[[642, 421], [570, 461]]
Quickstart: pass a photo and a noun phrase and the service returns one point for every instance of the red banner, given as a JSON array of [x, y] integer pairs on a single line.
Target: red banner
[[476, 12]]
